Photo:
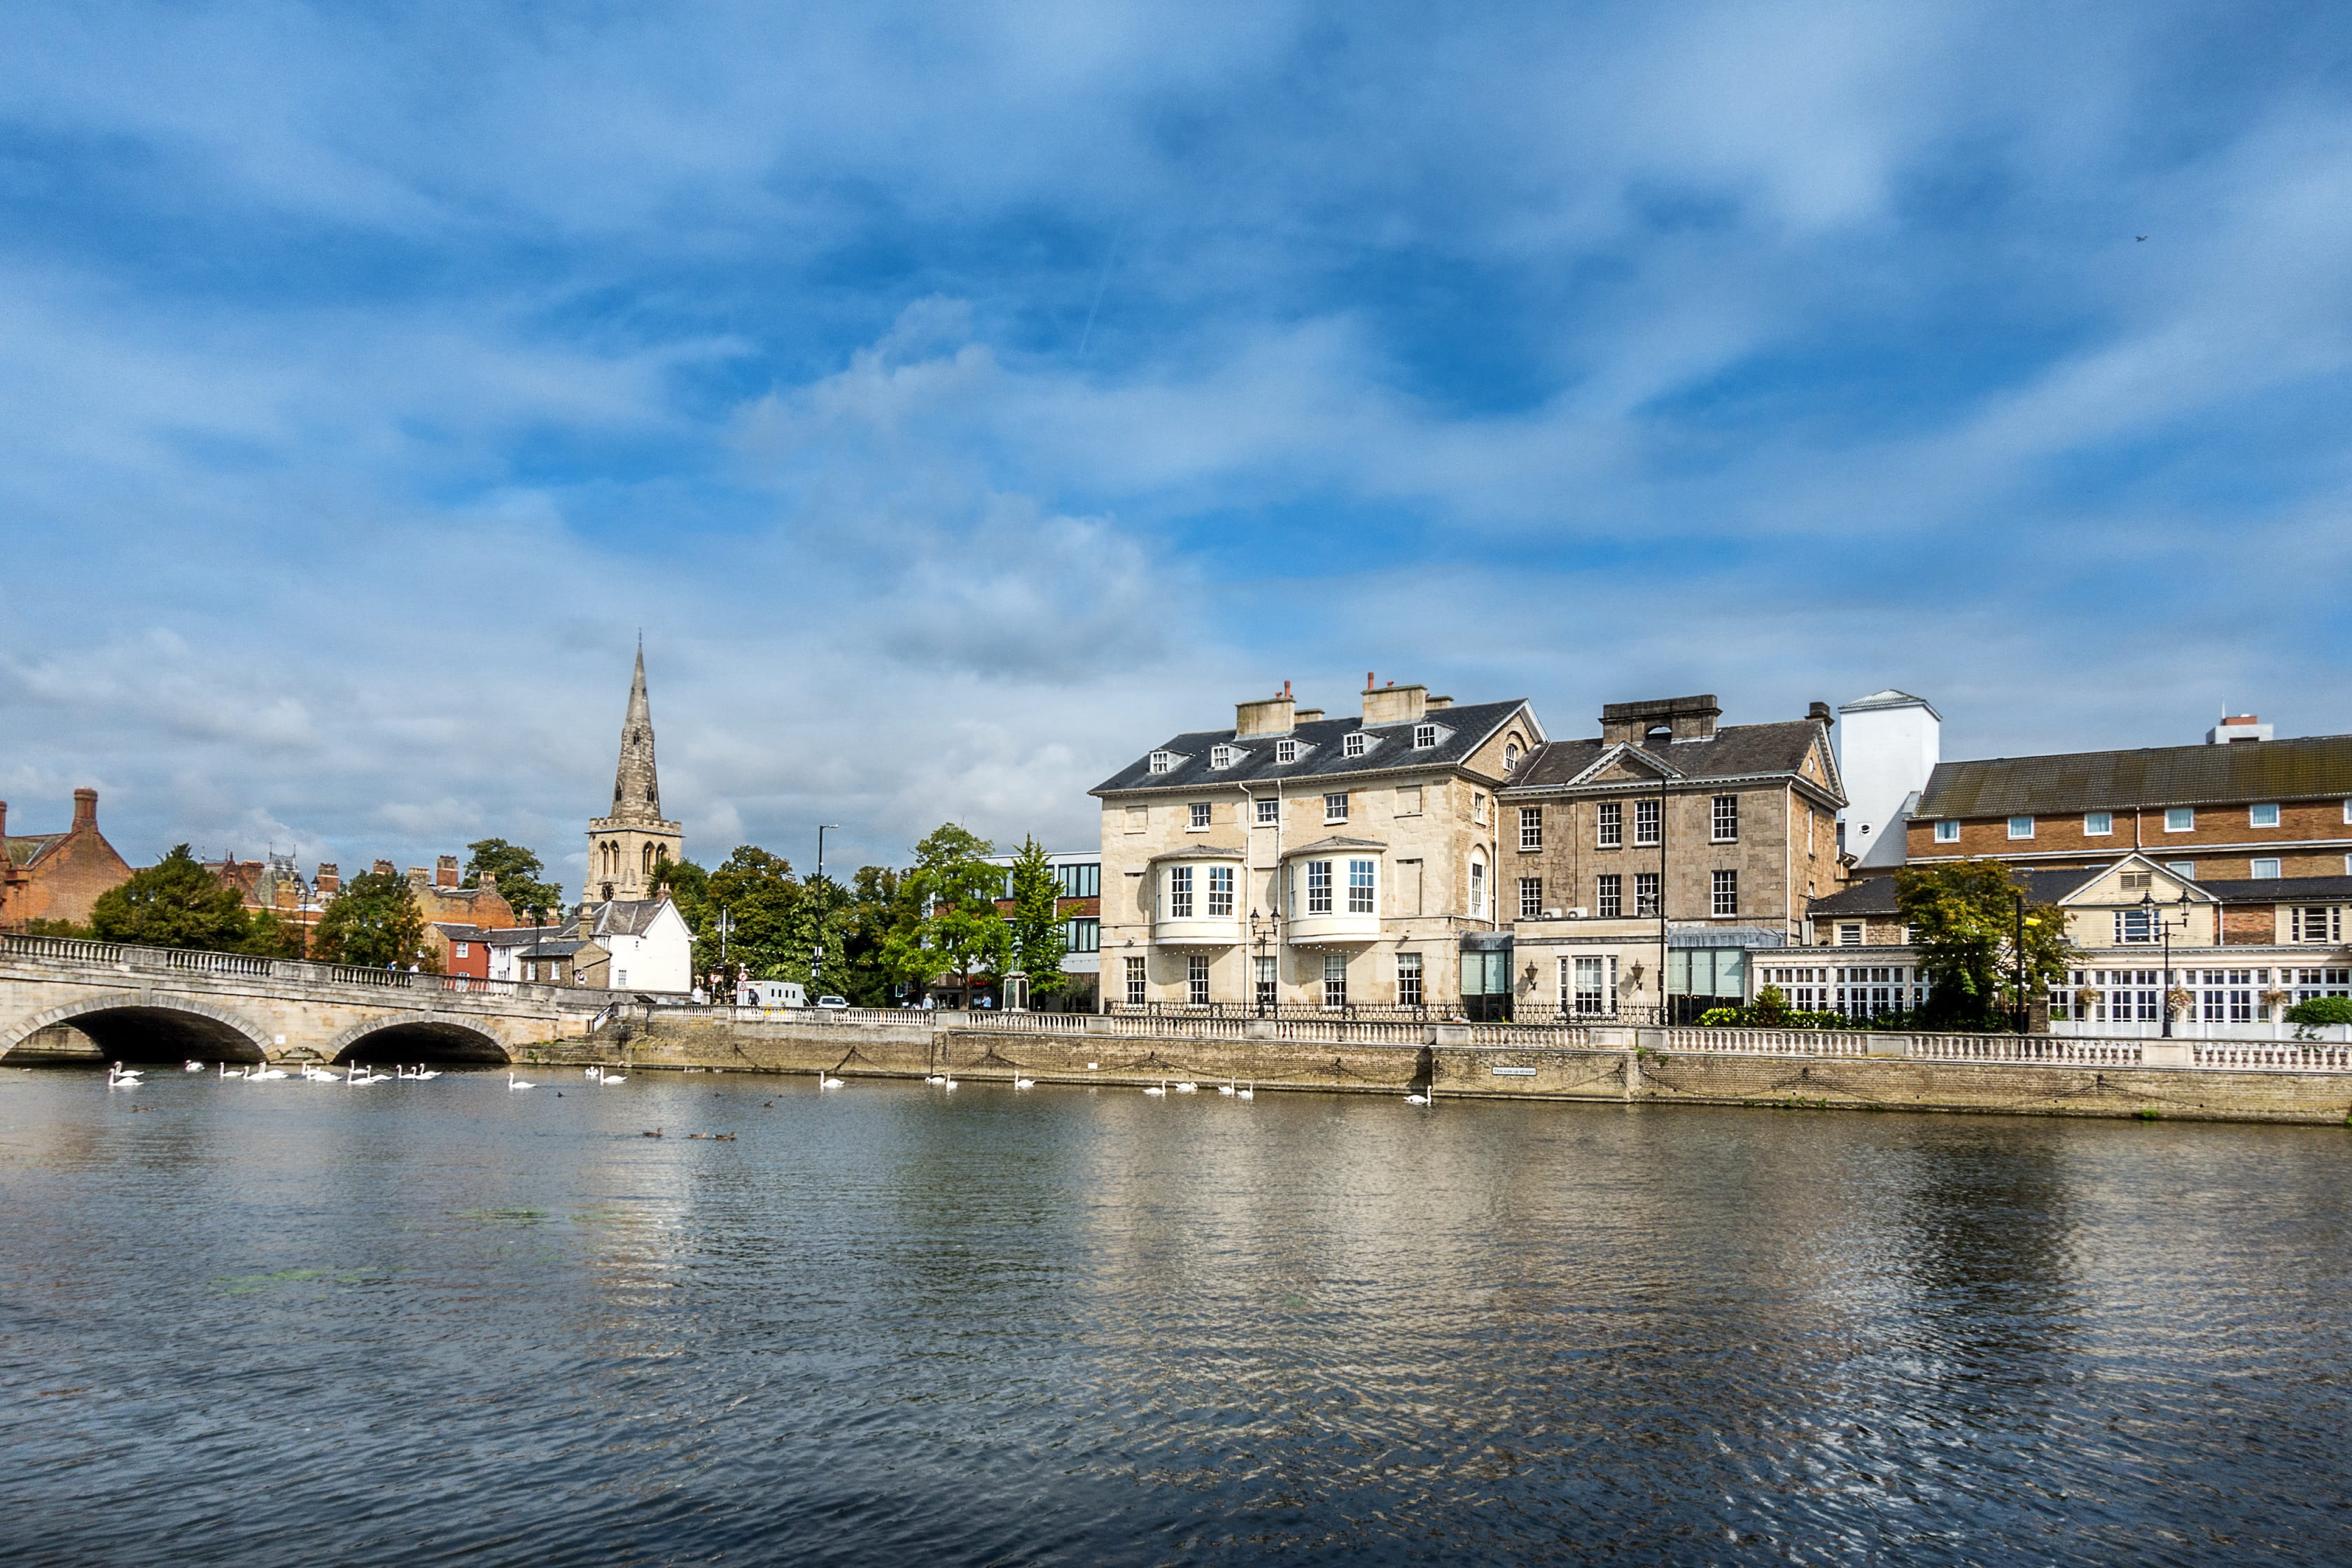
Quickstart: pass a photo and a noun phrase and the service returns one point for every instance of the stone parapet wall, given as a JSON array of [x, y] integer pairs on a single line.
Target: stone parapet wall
[[1626, 1073]]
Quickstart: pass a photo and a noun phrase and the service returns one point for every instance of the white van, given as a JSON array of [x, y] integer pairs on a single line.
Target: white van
[[770, 994]]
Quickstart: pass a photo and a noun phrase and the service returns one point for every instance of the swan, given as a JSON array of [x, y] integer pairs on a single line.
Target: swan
[[513, 1083], [269, 1073], [604, 1078], [934, 1077], [1024, 1083], [946, 1083], [1225, 1089], [591, 1072], [1249, 1093], [191, 1067], [115, 1070], [424, 1073], [1160, 1088], [117, 1078], [1416, 1100], [1187, 1088], [824, 1082]]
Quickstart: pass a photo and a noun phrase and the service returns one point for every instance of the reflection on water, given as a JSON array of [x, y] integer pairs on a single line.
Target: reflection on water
[[294, 1324]]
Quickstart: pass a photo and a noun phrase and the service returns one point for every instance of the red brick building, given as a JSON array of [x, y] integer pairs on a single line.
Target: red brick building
[[57, 875]]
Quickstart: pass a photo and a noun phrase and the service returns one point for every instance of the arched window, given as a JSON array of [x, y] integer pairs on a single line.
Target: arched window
[[646, 857], [1511, 755]]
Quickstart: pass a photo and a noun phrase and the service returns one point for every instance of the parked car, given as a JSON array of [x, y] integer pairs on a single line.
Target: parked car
[[833, 1002]]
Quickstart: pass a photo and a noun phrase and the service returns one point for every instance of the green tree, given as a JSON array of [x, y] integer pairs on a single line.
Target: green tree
[[374, 922], [882, 909], [267, 936], [175, 902], [1037, 938], [518, 873], [1966, 913], [959, 931]]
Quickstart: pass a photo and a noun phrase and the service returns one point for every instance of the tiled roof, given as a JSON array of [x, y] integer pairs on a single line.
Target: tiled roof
[[459, 933], [1461, 730], [26, 848], [1736, 751], [1333, 845], [2247, 771]]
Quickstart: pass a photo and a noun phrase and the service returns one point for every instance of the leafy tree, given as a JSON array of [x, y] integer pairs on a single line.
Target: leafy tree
[[1037, 940], [1966, 913], [374, 922], [518, 871], [882, 908], [58, 928], [958, 931], [267, 936], [2318, 1010], [175, 902]]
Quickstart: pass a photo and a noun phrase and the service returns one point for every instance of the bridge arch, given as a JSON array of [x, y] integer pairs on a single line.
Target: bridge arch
[[128, 1027], [418, 1037]]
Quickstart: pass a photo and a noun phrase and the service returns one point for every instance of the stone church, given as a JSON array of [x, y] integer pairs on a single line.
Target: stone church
[[625, 847]]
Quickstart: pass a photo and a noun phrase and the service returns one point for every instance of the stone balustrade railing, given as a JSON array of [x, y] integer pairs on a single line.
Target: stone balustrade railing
[[238, 965]]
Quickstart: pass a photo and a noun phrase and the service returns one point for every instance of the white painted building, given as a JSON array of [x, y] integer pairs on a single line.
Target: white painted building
[[1887, 744], [650, 947]]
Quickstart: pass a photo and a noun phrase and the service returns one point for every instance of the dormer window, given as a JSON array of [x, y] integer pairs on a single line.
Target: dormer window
[[1224, 756], [1161, 761], [1511, 757], [1353, 746], [1286, 750], [1424, 736]]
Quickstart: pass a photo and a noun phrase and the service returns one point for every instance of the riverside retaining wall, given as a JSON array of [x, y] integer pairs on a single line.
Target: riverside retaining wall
[[1635, 1073]]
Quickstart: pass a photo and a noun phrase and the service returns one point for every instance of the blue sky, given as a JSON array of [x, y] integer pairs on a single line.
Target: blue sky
[[961, 398]]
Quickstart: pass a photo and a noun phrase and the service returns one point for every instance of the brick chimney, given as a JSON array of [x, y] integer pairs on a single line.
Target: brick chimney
[[445, 871], [487, 881], [1820, 713], [381, 868], [1266, 716], [330, 879], [4, 829], [419, 878], [85, 808]]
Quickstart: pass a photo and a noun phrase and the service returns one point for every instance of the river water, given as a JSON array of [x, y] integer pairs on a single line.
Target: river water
[[262, 1323]]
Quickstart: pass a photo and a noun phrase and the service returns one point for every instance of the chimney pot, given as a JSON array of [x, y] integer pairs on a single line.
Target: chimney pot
[[1821, 711], [445, 871], [85, 808], [328, 879], [4, 828]]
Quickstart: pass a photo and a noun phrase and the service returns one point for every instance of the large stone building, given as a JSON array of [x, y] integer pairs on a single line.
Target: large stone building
[[626, 847], [1664, 849], [57, 875], [1296, 860]]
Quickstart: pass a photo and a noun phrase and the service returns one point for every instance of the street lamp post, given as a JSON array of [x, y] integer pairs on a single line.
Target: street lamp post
[[2017, 944], [2164, 930], [1262, 930]]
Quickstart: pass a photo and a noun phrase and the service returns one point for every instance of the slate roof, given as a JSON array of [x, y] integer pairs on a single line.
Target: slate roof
[[628, 917], [1875, 895], [1461, 730], [517, 936], [2247, 771], [1738, 751], [2280, 889], [1889, 698], [1203, 852], [1334, 845]]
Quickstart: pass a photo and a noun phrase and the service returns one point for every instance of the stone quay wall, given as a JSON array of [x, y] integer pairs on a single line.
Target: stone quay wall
[[1644, 1066]]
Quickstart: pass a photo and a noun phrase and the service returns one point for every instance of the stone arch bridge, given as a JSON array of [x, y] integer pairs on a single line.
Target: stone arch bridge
[[63, 1000]]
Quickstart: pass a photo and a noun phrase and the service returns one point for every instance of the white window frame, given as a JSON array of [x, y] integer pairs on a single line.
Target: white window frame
[[1269, 811], [2135, 927], [1163, 762], [2254, 815], [1221, 892], [1286, 752], [1948, 833], [1363, 887], [1409, 979], [1424, 738], [1196, 979], [1511, 754], [1722, 887], [2328, 928], [1179, 892], [2098, 824], [1318, 887], [1197, 814], [2025, 823], [1609, 895], [1850, 934], [1530, 898], [1268, 978], [2254, 868], [1648, 904], [1223, 756], [1609, 824], [1478, 807], [1723, 826], [1477, 889], [2186, 817], [2187, 868], [1648, 814], [1335, 981], [1139, 984], [1530, 827], [1334, 806], [1352, 745]]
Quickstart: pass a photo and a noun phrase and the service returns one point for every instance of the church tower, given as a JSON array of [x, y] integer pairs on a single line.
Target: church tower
[[625, 847]]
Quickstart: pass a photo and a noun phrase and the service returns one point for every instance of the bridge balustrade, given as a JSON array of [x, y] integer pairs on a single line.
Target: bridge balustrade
[[195, 961]]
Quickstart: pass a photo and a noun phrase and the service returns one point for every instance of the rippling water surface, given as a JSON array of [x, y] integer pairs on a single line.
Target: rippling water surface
[[420, 1322]]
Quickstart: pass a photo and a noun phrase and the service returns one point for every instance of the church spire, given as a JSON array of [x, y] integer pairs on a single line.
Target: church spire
[[636, 787]]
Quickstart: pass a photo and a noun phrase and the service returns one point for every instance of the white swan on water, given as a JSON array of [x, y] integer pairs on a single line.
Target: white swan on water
[[1225, 1087], [1249, 1093], [513, 1083], [604, 1078], [1024, 1083], [192, 1065], [1160, 1088], [1187, 1088], [268, 1073], [1416, 1100], [822, 1081]]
